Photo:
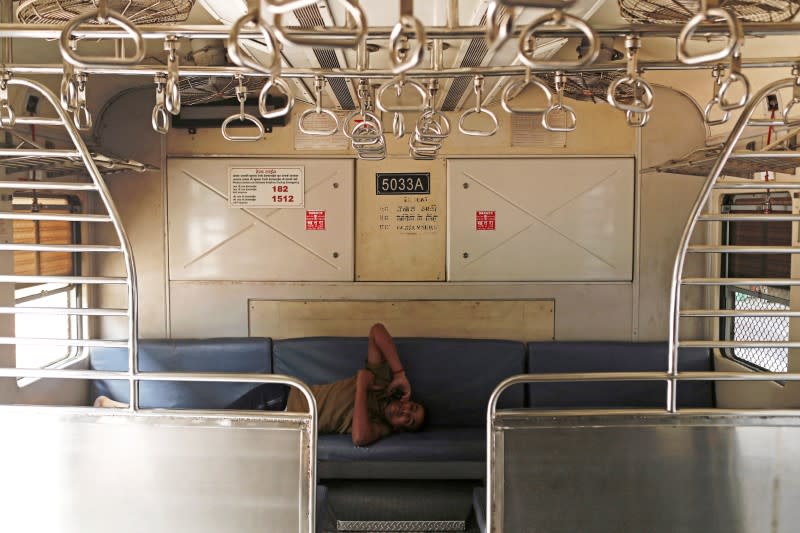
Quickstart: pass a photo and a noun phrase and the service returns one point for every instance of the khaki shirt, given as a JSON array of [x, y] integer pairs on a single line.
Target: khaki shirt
[[335, 402]]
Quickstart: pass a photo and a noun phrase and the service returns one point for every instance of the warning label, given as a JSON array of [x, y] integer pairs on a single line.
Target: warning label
[[485, 220], [266, 187], [315, 220]]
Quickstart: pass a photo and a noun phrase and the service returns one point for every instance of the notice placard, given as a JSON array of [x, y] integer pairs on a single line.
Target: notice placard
[[266, 187]]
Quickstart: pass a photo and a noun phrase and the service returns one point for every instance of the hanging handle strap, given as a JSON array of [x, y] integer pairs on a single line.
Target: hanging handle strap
[[235, 53], [716, 72], [81, 115], [7, 116], [499, 24], [514, 88], [242, 116], [709, 12], [571, 120], [331, 38], [102, 15], [319, 81], [642, 94], [562, 20], [735, 77], [160, 117], [283, 87], [795, 98], [478, 110]]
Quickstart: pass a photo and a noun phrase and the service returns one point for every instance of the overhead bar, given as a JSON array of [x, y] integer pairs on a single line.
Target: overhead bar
[[218, 31], [425, 73]]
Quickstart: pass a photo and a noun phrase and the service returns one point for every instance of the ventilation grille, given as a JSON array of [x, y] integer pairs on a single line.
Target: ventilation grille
[[476, 52], [310, 17], [137, 11], [680, 11]]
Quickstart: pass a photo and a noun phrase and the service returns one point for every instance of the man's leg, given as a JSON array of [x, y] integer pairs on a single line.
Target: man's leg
[[266, 397]]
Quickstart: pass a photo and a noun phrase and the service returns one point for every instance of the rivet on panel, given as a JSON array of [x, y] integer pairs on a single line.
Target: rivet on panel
[[465, 255], [335, 185], [335, 255], [466, 185]]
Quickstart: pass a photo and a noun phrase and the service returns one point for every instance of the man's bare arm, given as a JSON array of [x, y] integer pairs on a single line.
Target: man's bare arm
[[364, 431], [382, 348]]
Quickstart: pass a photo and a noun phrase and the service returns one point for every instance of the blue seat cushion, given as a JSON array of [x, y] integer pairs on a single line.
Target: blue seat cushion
[[237, 355], [431, 445], [479, 507], [452, 378], [558, 357]]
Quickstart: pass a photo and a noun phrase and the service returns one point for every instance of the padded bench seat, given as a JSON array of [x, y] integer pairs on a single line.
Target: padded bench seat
[[452, 378], [584, 357], [219, 355]]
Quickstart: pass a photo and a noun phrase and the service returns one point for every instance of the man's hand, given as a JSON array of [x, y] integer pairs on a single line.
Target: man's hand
[[367, 379], [400, 382]]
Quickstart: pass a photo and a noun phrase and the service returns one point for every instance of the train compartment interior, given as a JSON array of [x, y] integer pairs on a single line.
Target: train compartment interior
[[577, 218]]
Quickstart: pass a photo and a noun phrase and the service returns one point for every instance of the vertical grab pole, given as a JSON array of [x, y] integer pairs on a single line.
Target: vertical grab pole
[[491, 446], [452, 13], [702, 198]]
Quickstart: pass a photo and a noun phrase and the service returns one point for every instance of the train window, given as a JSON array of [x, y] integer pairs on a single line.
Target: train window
[[45, 295], [761, 297]]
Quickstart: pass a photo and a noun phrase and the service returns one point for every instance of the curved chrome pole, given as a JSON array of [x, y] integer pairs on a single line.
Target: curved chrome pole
[[702, 198], [130, 267]]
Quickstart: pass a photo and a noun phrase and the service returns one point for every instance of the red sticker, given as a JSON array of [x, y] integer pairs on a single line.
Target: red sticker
[[315, 220], [484, 220]]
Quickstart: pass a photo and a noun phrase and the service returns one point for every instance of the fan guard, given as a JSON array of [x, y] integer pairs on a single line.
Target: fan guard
[[680, 11], [205, 89], [588, 86], [137, 11]]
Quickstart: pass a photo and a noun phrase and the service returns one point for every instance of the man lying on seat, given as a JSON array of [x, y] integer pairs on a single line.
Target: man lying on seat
[[370, 405], [373, 403]]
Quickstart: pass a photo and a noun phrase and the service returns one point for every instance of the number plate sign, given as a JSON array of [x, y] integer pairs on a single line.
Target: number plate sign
[[403, 183], [266, 187]]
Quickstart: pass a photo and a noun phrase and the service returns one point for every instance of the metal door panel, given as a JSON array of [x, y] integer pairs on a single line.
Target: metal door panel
[[128, 474], [685, 474], [554, 219], [208, 240]]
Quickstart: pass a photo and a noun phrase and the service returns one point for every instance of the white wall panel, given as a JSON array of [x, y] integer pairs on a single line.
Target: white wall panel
[[555, 219], [208, 240]]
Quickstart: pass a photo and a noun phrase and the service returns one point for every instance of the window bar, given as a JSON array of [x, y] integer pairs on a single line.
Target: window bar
[[56, 217], [21, 247]]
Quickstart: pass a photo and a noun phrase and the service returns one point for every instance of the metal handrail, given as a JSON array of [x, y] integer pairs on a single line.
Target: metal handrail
[[419, 73], [683, 248], [462, 32]]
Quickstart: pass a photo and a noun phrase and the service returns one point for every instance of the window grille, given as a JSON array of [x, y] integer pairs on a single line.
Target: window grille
[[774, 329], [45, 295], [757, 298]]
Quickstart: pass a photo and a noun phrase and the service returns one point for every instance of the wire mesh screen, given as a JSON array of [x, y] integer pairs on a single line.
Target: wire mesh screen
[[137, 11], [589, 86], [680, 11], [772, 328], [205, 89]]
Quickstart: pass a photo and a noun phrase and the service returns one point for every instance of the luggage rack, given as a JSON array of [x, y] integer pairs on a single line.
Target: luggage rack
[[56, 166], [780, 156]]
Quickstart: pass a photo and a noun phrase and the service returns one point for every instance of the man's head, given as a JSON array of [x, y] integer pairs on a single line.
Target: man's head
[[405, 415]]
